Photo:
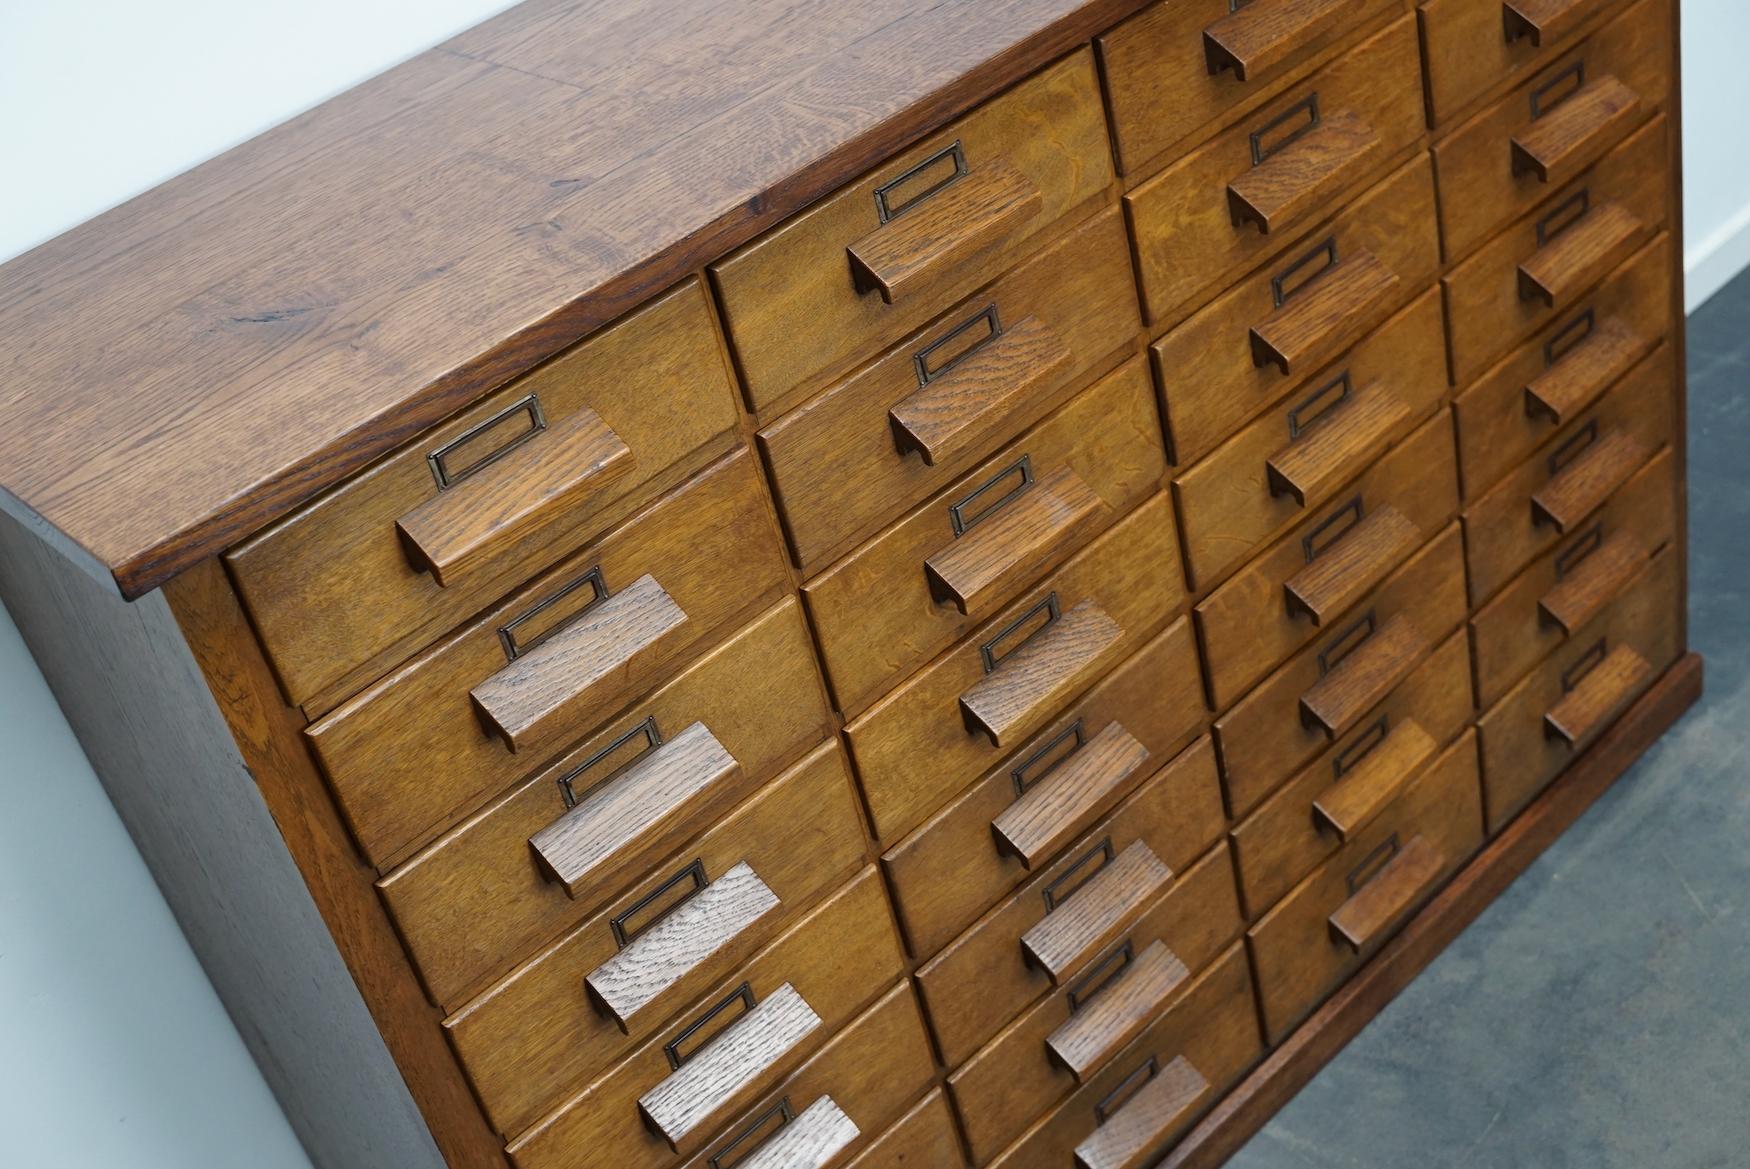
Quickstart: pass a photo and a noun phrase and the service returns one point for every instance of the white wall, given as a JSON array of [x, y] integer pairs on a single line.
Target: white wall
[[1716, 143]]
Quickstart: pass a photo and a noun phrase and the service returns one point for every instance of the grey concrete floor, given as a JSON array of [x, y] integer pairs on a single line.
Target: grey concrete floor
[[1598, 1014]]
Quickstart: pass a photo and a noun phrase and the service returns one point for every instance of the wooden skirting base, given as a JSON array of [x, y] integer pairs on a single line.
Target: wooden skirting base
[[1244, 1110]]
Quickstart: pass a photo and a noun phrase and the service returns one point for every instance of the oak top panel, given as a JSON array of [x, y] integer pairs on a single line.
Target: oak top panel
[[191, 365]]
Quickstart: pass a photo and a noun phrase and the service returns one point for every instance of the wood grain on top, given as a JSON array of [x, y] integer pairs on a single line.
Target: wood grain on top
[[192, 364]]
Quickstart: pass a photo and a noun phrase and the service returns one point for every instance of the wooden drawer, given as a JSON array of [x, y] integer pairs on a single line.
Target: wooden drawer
[[409, 755], [350, 584], [1241, 198], [1468, 57], [1174, 68], [1561, 706], [1340, 915], [866, 265], [1066, 1038], [1300, 453], [1324, 691], [1550, 495], [1563, 368], [923, 1138], [481, 897], [1567, 586], [957, 718], [986, 975], [1350, 782], [962, 385], [1504, 160], [918, 587], [1252, 346], [539, 1033], [1306, 581], [988, 839], [1130, 1112], [1541, 267]]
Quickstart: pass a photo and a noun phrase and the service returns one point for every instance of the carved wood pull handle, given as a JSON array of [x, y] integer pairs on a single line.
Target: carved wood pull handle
[[1597, 697], [1342, 441], [1303, 176], [811, 1141], [693, 943], [1072, 796], [1268, 34], [519, 492], [1009, 548], [1575, 134], [572, 677], [1581, 485], [1351, 803], [723, 1077], [968, 218], [963, 401], [1352, 566], [1593, 583], [1317, 321], [1097, 914], [1372, 910], [1031, 683], [1131, 1137], [1364, 676], [1119, 1011], [1580, 255], [1544, 21], [1574, 381]]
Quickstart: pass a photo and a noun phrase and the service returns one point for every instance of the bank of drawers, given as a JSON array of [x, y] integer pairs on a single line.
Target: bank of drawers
[[957, 682]]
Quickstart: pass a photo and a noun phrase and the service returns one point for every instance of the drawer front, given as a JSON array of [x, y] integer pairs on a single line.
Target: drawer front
[[1543, 266], [1241, 198], [962, 385], [539, 1032], [480, 897], [1349, 783], [924, 1138], [985, 977], [1074, 1032], [1130, 1112], [921, 585], [1469, 57], [863, 267], [1563, 368], [1227, 362], [1302, 452], [1337, 918], [1551, 494], [1305, 582], [1501, 162], [533, 471], [1567, 586], [1324, 691], [472, 715], [1174, 68], [971, 707], [1561, 706], [988, 839]]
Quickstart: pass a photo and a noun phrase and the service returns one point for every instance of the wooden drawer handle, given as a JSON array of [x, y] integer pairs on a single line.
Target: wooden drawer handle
[[1304, 176], [1317, 321], [961, 402], [1583, 592], [1267, 34], [1008, 549], [1575, 379], [1364, 676], [559, 474], [1597, 697], [573, 677], [1544, 21], [641, 813], [1338, 445], [1351, 803], [1575, 134], [970, 216], [1580, 255], [1031, 683], [1131, 1137], [1097, 913], [1349, 569], [698, 937], [1379, 904], [1075, 793], [1581, 485], [1119, 1011], [810, 1141], [729, 1071]]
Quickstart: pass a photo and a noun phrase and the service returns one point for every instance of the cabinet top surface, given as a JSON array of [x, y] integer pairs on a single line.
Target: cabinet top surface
[[194, 363]]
